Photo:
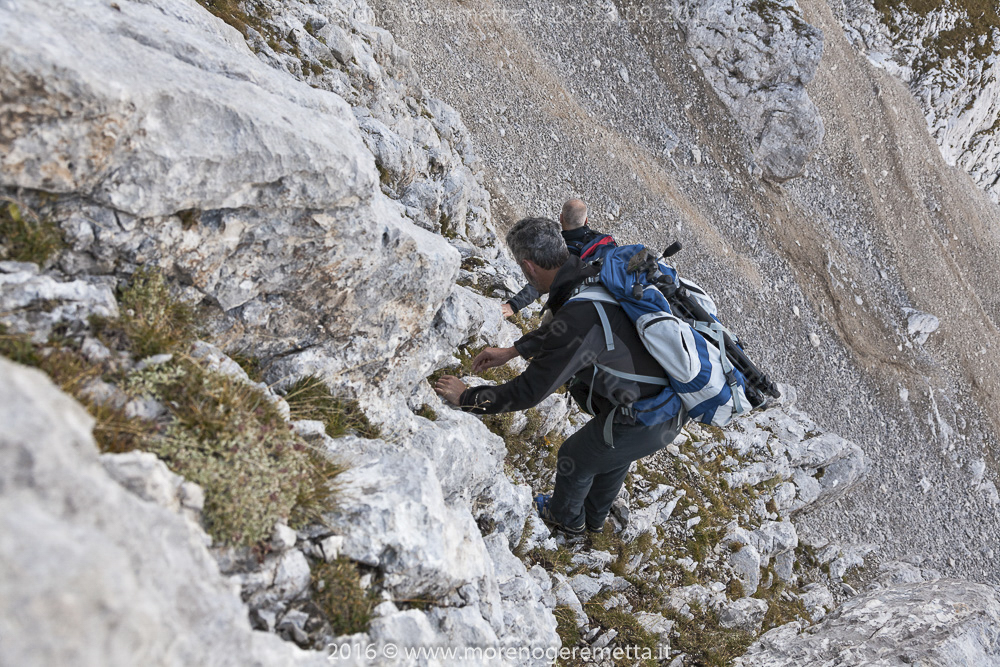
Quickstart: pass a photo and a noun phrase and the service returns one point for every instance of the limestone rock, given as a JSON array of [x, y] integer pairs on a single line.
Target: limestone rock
[[144, 589], [743, 614], [394, 517], [31, 302], [937, 624], [759, 57], [958, 90]]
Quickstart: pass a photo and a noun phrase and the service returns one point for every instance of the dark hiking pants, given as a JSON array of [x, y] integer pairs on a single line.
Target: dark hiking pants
[[590, 473]]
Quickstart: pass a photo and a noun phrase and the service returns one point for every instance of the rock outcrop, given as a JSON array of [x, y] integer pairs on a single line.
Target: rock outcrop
[[759, 56], [298, 185], [950, 61], [937, 624], [90, 574]]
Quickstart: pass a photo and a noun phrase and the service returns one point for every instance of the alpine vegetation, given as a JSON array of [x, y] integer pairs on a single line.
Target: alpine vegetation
[[333, 333]]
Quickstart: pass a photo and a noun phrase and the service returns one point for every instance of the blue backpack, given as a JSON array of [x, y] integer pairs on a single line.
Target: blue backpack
[[701, 378]]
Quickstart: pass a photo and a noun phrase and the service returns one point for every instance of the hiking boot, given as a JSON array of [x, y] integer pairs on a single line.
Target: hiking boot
[[595, 531], [542, 505]]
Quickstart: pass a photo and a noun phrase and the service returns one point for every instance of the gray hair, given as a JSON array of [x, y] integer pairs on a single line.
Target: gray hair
[[539, 241]]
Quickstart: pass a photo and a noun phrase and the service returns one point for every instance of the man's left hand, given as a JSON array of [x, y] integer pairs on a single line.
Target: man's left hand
[[450, 388]]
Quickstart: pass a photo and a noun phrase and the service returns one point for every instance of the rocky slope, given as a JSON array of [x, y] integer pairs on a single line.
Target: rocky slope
[[294, 182], [947, 55], [831, 274]]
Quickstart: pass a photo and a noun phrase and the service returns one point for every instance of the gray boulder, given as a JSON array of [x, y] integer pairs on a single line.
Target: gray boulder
[[939, 624], [759, 56], [90, 574]]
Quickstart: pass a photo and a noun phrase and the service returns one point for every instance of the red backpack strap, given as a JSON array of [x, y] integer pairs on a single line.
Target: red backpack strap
[[592, 247]]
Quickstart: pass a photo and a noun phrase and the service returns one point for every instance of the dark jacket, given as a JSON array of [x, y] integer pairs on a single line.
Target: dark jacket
[[566, 348], [575, 239]]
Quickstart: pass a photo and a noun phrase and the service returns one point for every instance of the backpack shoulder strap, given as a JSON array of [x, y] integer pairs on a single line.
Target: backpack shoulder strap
[[596, 295]]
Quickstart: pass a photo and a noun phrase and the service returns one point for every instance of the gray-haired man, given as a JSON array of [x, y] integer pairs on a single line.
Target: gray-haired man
[[578, 236], [589, 473]]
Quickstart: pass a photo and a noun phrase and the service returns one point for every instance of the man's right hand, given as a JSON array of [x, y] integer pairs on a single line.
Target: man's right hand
[[492, 357], [506, 310]]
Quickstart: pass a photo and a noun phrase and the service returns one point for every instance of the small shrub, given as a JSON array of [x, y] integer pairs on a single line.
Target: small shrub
[[310, 398], [337, 591], [427, 412], [705, 640], [26, 237]]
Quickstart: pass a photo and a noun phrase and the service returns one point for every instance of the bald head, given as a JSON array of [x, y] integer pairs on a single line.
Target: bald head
[[574, 214]]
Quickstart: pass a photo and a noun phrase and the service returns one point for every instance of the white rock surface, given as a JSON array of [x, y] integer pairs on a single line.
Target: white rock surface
[[394, 517], [24, 292], [744, 614], [90, 574], [759, 57], [939, 624]]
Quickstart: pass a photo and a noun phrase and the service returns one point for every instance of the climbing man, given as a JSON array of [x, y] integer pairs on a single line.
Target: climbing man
[[579, 238], [575, 345]]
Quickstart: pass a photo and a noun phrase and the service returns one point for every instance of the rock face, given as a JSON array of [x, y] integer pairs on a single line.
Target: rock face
[[139, 157], [759, 56], [938, 624], [959, 89], [90, 574], [819, 467]]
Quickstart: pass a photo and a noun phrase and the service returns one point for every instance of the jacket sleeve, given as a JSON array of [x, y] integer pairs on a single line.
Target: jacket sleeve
[[570, 343], [523, 298]]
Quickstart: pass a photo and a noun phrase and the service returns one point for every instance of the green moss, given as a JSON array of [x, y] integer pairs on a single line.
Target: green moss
[[336, 590], [25, 236], [310, 398]]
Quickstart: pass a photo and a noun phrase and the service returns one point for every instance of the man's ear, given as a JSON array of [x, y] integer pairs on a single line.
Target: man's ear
[[530, 269]]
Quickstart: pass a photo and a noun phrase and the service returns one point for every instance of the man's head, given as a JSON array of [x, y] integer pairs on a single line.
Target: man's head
[[539, 249], [574, 215]]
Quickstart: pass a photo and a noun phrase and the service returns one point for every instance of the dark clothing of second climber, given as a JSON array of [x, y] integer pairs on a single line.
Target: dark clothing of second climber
[[575, 239]]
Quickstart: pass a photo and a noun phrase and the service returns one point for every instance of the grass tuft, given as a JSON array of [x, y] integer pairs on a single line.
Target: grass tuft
[[24, 236], [228, 437], [310, 398], [152, 321], [336, 590]]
